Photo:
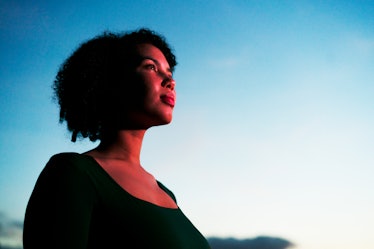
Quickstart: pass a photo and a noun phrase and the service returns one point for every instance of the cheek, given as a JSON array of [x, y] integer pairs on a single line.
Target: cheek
[[141, 85], [150, 88], [142, 89]]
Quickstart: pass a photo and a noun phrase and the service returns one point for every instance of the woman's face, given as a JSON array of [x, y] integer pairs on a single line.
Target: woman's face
[[154, 97]]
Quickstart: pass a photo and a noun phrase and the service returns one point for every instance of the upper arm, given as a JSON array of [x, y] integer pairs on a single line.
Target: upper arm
[[59, 210]]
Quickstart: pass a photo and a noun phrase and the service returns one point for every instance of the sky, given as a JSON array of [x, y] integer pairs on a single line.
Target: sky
[[273, 129]]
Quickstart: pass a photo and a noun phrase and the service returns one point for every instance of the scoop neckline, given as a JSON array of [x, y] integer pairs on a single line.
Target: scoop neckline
[[124, 190]]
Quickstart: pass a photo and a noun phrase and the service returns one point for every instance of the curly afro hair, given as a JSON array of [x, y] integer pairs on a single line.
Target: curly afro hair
[[88, 83]]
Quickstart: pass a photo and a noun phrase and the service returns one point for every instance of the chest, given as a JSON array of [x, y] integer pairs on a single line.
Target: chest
[[119, 220], [138, 183]]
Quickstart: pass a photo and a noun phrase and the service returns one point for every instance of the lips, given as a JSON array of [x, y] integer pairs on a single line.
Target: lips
[[168, 99]]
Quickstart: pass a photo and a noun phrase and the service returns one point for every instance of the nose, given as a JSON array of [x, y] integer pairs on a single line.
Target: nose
[[169, 82]]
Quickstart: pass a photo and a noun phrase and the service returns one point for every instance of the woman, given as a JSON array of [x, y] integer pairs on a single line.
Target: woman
[[112, 88]]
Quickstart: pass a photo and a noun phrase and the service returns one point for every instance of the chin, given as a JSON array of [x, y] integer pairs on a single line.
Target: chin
[[156, 122], [166, 119], [164, 122]]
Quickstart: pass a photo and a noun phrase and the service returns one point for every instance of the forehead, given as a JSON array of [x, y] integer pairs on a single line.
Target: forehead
[[149, 50]]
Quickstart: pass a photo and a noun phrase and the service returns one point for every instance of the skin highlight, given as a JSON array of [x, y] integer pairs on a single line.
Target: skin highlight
[[120, 155]]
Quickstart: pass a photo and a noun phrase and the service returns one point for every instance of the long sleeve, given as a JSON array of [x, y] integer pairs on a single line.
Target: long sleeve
[[59, 210]]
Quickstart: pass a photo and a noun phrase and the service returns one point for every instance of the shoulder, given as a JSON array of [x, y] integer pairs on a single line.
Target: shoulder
[[68, 157], [168, 191], [67, 167], [65, 176], [69, 161]]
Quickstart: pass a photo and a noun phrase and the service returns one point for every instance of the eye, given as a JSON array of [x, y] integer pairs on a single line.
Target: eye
[[151, 66]]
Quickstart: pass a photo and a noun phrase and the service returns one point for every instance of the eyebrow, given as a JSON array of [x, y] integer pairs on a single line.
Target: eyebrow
[[155, 61]]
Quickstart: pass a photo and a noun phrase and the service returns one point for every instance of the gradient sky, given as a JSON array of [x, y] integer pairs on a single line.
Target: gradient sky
[[273, 128]]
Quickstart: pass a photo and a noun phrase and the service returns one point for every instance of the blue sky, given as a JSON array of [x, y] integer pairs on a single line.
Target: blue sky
[[273, 128]]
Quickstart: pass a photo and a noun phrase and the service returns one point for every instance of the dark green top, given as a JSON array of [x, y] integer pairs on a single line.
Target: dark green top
[[76, 204]]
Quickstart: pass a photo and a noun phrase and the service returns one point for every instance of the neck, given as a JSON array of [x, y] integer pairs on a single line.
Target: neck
[[124, 145]]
